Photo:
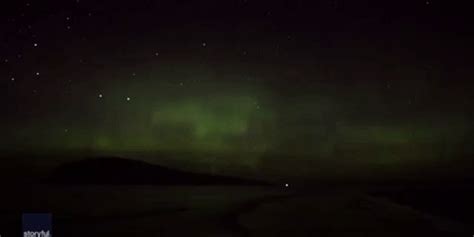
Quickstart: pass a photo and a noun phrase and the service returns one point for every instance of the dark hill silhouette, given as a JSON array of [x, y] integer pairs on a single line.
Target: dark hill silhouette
[[119, 171]]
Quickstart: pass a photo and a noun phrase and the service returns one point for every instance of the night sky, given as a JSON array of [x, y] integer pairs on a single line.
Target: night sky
[[353, 82]]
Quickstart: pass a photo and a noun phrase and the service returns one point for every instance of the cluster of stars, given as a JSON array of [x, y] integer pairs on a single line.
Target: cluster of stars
[[71, 18], [37, 24], [68, 21]]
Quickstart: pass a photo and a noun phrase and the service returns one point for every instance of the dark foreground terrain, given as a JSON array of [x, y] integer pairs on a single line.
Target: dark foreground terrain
[[222, 211], [120, 171], [224, 206]]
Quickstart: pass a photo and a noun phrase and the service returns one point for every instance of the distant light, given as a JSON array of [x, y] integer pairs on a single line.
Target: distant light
[[35, 45], [286, 185], [13, 79], [100, 95], [37, 73], [128, 98], [204, 44]]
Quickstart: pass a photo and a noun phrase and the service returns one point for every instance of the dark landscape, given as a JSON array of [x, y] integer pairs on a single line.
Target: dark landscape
[[119, 171], [134, 198]]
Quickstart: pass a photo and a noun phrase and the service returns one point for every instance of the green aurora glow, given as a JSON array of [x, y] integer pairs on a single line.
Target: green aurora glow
[[327, 124]]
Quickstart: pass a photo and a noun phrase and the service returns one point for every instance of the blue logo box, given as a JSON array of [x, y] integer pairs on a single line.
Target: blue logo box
[[37, 224]]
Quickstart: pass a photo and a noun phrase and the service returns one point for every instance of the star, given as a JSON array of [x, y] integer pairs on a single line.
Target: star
[[286, 185], [128, 98], [204, 44], [13, 79], [37, 73], [35, 45], [156, 54], [100, 96]]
